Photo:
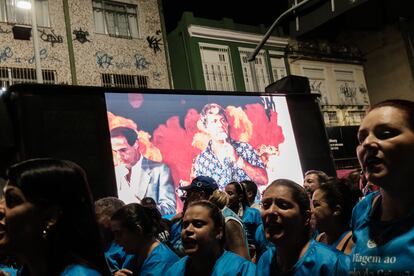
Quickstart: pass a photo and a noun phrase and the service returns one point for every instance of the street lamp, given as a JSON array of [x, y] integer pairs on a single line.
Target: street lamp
[[30, 5]]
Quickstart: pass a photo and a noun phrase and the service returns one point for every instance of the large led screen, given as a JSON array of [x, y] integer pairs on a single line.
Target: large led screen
[[162, 141]]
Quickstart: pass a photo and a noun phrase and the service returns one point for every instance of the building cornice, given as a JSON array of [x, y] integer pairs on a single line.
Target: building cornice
[[234, 36]]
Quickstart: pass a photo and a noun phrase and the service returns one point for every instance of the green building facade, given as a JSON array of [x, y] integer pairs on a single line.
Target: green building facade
[[212, 55]]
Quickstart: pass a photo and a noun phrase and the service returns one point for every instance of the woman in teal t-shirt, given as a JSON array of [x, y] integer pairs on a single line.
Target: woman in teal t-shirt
[[286, 221], [203, 241], [136, 229], [383, 223]]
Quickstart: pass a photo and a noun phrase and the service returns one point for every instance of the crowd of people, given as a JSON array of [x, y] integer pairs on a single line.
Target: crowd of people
[[50, 225]]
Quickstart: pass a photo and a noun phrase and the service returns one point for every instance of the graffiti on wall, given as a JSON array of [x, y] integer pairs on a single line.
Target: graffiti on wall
[[81, 35], [3, 31], [5, 54], [347, 90], [141, 62], [44, 54], [156, 75], [51, 37], [315, 86], [104, 60], [154, 42]]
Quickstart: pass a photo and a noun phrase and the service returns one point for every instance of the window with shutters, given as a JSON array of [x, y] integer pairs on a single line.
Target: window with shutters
[[217, 68], [278, 68], [259, 67]]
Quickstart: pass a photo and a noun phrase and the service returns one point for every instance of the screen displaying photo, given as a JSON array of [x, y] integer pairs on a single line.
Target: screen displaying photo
[[162, 141]]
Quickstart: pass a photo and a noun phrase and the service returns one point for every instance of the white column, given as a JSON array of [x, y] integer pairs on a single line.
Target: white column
[[35, 37]]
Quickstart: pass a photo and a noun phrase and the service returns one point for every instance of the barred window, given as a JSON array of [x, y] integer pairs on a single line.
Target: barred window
[[9, 76], [331, 117], [115, 19], [124, 81], [9, 12], [356, 116]]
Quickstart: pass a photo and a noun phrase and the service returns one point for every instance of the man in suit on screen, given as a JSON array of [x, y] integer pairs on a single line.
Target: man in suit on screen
[[138, 177]]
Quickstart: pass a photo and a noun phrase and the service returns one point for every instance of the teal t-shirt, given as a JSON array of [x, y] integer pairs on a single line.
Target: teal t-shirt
[[319, 259], [80, 270], [9, 270], [229, 264], [117, 258], [251, 220], [158, 261], [381, 247], [71, 270]]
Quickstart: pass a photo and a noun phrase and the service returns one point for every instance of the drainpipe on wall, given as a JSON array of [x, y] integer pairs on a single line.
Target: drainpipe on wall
[[164, 36], [70, 43]]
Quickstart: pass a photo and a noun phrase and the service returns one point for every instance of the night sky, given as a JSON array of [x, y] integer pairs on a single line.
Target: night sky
[[252, 12]]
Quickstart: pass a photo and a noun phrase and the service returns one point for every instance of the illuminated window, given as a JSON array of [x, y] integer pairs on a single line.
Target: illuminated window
[[10, 13], [124, 81], [115, 19]]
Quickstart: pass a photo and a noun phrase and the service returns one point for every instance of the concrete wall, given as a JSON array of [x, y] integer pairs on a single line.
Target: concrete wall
[[334, 95], [105, 54], [54, 57], [387, 69], [331, 98], [102, 53]]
